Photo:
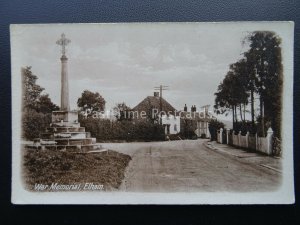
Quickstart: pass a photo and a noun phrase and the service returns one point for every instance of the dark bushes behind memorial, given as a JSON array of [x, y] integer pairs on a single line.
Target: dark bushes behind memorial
[[106, 130], [34, 123]]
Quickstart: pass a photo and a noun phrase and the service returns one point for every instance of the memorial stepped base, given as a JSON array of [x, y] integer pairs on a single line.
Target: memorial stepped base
[[66, 135], [69, 148]]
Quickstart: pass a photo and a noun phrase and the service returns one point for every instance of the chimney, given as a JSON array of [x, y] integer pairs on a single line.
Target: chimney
[[193, 108], [185, 108], [206, 111], [156, 94]]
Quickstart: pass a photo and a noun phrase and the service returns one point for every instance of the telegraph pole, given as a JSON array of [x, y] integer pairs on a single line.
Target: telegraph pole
[[161, 88]]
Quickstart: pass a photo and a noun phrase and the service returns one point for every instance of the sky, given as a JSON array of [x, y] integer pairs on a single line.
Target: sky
[[124, 62]]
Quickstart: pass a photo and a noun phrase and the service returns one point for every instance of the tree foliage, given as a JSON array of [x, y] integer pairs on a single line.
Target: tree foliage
[[45, 105], [31, 90], [122, 112], [258, 72], [33, 123], [214, 126], [91, 101], [232, 92], [266, 59], [37, 107]]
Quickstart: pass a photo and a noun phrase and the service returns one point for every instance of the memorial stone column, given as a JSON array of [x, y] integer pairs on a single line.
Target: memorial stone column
[[64, 97]]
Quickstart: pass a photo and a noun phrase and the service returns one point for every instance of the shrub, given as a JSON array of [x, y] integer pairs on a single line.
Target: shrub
[[214, 126], [187, 128], [34, 123], [276, 146], [244, 126], [106, 130], [203, 135], [174, 137]]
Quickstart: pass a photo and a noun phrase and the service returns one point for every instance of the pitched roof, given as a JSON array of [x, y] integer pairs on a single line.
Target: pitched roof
[[153, 102]]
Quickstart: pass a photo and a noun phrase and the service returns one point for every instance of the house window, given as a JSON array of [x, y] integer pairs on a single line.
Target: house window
[[175, 127]]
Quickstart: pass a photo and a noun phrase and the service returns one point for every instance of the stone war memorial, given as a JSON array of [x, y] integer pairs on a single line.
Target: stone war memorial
[[65, 133]]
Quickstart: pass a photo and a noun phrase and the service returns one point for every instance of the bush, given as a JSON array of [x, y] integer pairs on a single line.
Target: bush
[[106, 130], [276, 146], [34, 123], [214, 126], [174, 137], [244, 126], [187, 128], [203, 135]]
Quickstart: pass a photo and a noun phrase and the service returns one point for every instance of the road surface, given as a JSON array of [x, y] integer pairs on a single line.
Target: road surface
[[190, 166]]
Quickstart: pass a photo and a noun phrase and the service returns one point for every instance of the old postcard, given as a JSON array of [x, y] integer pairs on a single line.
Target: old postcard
[[152, 113]]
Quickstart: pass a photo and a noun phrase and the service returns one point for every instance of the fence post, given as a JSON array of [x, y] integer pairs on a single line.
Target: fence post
[[221, 135], [269, 140], [239, 138], [227, 136], [247, 139], [256, 142]]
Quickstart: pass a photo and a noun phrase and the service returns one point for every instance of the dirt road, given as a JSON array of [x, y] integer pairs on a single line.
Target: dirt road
[[190, 166]]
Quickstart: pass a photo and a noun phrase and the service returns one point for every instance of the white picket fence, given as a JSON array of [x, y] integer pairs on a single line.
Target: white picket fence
[[260, 144]]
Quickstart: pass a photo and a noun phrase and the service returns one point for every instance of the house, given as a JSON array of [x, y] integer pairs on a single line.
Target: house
[[171, 123], [188, 123], [151, 106], [195, 121]]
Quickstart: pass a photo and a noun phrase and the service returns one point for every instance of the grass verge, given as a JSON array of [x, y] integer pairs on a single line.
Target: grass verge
[[64, 168]]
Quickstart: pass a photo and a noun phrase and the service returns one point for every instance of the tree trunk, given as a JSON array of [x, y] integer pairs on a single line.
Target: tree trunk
[[235, 114], [252, 107], [244, 112], [241, 114], [262, 116], [233, 117]]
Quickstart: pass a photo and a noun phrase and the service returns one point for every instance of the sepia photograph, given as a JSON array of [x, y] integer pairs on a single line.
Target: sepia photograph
[[152, 113]]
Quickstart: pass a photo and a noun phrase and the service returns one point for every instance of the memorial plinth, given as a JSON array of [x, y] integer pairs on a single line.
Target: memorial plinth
[[65, 133]]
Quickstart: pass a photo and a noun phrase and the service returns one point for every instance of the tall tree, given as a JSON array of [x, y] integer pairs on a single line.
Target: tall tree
[[31, 91], [36, 106], [91, 101], [122, 112], [251, 77], [45, 105], [265, 53], [231, 93], [241, 80]]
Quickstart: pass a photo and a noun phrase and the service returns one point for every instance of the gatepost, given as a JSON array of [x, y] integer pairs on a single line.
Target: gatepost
[[221, 135], [269, 140], [247, 139], [227, 135]]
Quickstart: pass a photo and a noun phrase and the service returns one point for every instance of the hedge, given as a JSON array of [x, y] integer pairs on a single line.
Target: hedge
[[139, 130]]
